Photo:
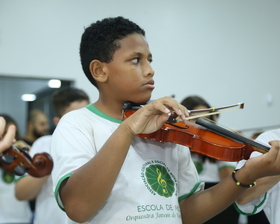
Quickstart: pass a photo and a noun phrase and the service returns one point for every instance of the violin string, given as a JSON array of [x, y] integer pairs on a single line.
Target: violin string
[[222, 126]]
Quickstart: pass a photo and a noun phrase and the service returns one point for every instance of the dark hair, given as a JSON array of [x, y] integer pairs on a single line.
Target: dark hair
[[9, 120], [62, 98], [191, 102], [100, 41]]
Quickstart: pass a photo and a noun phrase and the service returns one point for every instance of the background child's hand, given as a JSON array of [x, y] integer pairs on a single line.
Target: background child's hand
[[152, 116], [8, 139], [21, 144]]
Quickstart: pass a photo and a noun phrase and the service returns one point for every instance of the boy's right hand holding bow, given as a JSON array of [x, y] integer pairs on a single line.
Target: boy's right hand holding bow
[[153, 115]]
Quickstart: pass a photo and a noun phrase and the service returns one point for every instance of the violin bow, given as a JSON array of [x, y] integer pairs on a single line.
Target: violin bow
[[214, 110]]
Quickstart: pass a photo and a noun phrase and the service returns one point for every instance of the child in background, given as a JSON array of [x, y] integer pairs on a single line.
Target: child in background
[[12, 211], [28, 187]]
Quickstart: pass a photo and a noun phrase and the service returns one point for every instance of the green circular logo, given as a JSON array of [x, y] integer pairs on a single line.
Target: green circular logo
[[160, 180], [8, 177]]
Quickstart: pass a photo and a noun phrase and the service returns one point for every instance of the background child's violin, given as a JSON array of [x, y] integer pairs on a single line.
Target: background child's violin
[[203, 137], [17, 161]]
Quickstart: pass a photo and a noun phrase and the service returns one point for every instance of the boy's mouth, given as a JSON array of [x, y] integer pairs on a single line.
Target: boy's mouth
[[151, 83]]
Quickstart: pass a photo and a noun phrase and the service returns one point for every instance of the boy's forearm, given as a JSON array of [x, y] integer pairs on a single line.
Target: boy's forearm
[[204, 205], [225, 172], [28, 187], [263, 185]]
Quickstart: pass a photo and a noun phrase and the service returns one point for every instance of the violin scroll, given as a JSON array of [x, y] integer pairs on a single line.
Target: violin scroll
[[43, 163], [18, 161]]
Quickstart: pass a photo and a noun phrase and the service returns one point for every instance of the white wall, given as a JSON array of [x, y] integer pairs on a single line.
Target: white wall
[[224, 51]]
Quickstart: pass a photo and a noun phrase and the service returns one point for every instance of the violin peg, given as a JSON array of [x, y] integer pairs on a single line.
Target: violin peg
[[130, 105], [7, 159], [20, 171]]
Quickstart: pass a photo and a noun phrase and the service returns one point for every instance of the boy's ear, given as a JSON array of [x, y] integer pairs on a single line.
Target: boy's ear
[[97, 71]]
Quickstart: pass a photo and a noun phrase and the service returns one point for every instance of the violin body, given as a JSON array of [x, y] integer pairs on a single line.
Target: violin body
[[201, 140], [18, 161]]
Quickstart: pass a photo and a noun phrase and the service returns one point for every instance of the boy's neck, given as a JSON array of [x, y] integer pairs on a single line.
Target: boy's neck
[[112, 110]]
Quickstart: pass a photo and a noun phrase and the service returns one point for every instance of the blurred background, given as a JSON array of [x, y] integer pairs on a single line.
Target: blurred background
[[224, 51]]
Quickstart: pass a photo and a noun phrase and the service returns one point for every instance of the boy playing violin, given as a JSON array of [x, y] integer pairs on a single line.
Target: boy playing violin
[[104, 173]]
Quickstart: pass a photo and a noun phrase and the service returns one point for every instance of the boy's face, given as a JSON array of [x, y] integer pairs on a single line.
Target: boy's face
[[130, 75]]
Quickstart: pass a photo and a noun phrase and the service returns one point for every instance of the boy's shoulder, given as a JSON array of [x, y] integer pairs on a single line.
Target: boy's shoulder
[[75, 113]]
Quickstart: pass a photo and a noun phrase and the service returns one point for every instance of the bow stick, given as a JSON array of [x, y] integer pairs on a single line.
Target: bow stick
[[213, 110]]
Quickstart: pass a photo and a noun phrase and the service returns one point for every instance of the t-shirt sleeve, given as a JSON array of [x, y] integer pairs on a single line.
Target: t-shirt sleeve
[[254, 206], [189, 182], [70, 148]]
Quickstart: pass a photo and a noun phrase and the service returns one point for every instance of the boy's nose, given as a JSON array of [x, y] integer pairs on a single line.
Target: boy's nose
[[149, 71]]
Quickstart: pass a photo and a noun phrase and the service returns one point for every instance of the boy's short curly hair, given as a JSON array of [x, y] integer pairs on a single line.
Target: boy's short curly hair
[[100, 41]]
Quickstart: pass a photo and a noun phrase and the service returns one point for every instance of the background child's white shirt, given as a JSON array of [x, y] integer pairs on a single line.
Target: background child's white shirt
[[11, 209], [46, 210], [78, 137], [209, 172], [270, 201]]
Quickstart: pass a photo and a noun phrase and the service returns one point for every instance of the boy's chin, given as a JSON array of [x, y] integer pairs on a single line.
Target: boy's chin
[[142, 100]]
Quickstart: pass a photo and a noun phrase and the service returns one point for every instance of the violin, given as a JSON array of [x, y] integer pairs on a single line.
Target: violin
[[203, 137], [17, 161]]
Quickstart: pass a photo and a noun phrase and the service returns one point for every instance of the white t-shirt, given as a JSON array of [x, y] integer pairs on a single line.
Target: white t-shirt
[[11, 209], [270, 201], [153, 178], [46, 209], [209, 172]]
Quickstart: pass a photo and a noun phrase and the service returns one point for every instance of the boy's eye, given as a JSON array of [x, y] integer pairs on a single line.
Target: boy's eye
[[135, 60]]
